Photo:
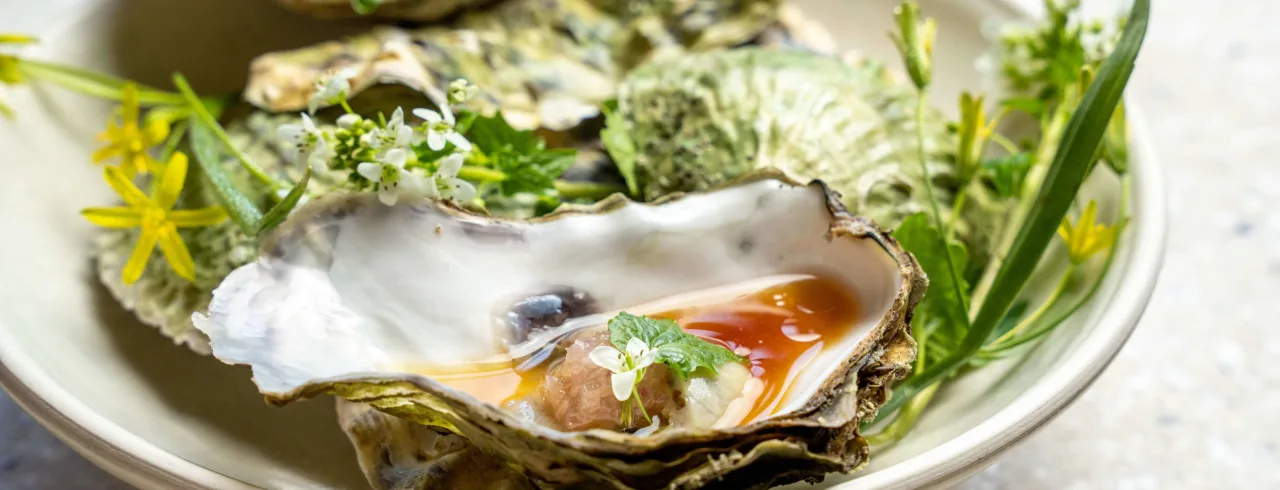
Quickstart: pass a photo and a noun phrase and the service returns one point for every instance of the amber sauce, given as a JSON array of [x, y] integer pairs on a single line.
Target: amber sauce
[[784, 327]]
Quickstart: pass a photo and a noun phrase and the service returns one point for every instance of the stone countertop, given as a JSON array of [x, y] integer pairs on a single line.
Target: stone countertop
[[1191, 401]]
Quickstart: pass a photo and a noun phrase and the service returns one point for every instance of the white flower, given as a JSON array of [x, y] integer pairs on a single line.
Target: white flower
[[440, 129], [446, 179], [306, 140], [625, 367], [332, 89], [391, 176], [395, 135]]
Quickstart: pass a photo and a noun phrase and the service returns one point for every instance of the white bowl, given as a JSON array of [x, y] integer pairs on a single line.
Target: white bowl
[[158, 416]]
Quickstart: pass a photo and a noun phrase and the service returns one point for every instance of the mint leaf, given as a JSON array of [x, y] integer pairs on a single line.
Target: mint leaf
[[1007, 173], [522, 156], [617, 141], [492, 134], [683, 352], [947, 298]]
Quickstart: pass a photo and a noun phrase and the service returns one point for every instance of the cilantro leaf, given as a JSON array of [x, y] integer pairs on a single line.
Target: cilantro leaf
[[683, 352], [617, 141], [1008, 173], [947, 298]]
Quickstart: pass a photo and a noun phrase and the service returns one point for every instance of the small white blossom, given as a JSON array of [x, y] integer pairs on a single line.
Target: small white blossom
[[348, 121], [306, 140], [446, 180], [332, 89], [625, 367], [440, 128], [391, 176], [394, 135]]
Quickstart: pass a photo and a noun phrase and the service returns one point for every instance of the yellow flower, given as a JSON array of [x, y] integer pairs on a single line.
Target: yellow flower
[[156, 217], [1087, 237], [130, 141]]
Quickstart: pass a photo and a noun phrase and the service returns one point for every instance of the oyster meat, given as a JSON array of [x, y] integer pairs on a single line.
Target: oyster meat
[[388, 305]]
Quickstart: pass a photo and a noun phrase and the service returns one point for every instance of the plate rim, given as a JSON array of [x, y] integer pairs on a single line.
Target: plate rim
[[144, 464]]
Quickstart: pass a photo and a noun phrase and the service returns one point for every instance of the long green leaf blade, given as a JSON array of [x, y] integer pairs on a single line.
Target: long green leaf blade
[[280, 211], [92, 83], [1070, 165], [205, 148]]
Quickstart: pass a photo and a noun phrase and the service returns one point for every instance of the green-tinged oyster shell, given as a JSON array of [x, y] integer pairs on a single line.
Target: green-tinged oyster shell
[[702, 119], [397, 454], [420, 10], [349, 292], [544, 63]]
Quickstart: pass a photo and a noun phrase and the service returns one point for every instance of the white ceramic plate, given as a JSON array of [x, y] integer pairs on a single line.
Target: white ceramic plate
[[158, 416]]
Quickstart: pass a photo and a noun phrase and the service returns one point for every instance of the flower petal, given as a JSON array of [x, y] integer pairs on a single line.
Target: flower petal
[[388, 194], [175, 175], [462, 191], [176, 253], [192, 218], [129, 103], [622, 384], [101, 154], [435, 140], [428, 115], [132, 196], [429, 187], [395, 158], [113, 217], [609, 358], [141, 254], [370, 170], [450, 166], [636, 348], [448, 115], [410, 183], [458, 141], [290, 132]]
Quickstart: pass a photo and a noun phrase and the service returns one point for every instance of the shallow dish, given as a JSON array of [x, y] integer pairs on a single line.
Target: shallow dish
[[158, 416]]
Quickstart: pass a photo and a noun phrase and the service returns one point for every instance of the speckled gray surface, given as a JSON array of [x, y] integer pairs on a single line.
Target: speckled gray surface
[[1193, 399]]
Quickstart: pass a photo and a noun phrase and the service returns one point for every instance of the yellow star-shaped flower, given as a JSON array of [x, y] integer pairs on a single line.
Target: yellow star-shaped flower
[[129, 140], [156, 217], [1086, 237]]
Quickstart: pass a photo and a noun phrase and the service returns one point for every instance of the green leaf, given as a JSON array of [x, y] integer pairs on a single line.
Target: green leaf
[[280, 211], [1008, 173], [683, 352], [1029, 105], [365, 7], [492, 133], [93, 83], [617, 141], [202, 116], [205, 148], [947, 299], [1010, 320], [1070, 165]]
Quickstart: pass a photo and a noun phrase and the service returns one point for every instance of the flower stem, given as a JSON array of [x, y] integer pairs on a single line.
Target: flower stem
[[347, 107], [480, 174], [202, 113], [1004, 142], [93, 84], [956, 208], [1044, 307], [907, 417]]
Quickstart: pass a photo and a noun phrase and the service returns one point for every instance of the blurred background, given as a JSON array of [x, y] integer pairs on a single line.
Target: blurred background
[[1191, 401]]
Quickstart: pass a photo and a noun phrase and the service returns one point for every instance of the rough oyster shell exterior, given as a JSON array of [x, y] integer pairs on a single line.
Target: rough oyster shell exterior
[[818, 437]]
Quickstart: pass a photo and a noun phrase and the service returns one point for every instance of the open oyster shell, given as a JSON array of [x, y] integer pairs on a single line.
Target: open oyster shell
[[422, 10], [702, 119], [349, 292], [544, 63]]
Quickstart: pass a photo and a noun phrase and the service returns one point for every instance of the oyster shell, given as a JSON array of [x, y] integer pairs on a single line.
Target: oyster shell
[[349, 292], [421, 10], [544, 63], [702, 119]]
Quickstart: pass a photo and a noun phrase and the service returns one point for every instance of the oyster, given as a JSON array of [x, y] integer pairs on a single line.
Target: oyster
[[358, 299], [518, 36], [544, 63], [422, 10], [702, 119]]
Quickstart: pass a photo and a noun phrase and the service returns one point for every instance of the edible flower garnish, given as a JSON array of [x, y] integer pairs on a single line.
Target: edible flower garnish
[[1087, 237], [307, 140], [333, 89], [440, 128], [394, 135], [627, 367], [447, 183], [156, 218], [389, 173], [130, 141], [462, 90], [9, 72]]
